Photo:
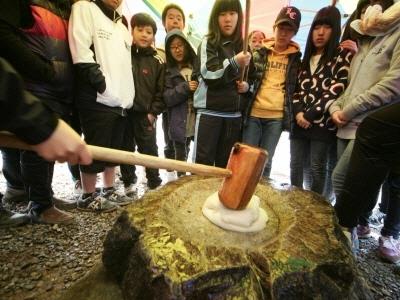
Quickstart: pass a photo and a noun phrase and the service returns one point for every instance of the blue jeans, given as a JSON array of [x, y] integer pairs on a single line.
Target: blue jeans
[[344, 150], [263, 133], [318, 153]]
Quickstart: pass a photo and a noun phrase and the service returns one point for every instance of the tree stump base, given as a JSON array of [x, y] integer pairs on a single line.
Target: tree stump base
[[162, 247]]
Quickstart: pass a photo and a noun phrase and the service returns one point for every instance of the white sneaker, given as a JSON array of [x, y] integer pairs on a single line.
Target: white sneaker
[[171, 176], [130, 190], [389, 249]]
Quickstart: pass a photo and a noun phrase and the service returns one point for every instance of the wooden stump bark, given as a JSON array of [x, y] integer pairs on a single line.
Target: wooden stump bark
[[164, 248]]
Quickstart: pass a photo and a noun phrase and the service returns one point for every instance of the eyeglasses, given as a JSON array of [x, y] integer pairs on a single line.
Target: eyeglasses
[[177, 47]]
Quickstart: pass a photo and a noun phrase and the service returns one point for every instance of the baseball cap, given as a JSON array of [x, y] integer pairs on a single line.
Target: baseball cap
[[290, 15]]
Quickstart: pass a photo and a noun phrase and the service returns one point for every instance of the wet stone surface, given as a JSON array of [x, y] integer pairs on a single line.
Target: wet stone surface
[[42, 262], [164, 248]]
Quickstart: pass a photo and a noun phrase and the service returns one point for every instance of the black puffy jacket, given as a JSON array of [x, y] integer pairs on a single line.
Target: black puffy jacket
[[48, 39]]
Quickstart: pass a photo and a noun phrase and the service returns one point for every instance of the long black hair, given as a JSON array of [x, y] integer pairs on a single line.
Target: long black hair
[[328, 15], [214, 32]]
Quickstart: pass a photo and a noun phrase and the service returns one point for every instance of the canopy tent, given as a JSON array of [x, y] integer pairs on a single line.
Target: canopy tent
[[262, 14]]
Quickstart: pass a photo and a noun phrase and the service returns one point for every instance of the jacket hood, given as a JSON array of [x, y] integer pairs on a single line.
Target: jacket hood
[[378, 23], [292, 48], [168, 39]]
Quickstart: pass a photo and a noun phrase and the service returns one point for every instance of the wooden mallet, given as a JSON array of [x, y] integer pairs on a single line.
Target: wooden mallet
[[242, 174]]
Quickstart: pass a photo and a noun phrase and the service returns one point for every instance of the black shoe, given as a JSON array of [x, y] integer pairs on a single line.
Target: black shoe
[[9, 219], [153, 184]]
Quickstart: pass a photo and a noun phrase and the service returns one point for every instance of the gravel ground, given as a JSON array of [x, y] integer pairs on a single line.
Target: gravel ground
[[41, 261]]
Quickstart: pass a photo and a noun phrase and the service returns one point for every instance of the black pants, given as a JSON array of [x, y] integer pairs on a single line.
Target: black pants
[[375, 155], [145, 139], [182, 151], [104, 129], [128, 172], [12, 168], [27, 170], [76, 125], [214, 139], [37, 175], [169, 150]]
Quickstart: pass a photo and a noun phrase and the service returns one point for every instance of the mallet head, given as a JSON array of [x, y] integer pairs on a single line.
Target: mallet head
[[247, 165]]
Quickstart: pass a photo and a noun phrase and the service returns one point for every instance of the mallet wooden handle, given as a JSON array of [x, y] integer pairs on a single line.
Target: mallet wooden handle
[[246, 33], [129, 158]]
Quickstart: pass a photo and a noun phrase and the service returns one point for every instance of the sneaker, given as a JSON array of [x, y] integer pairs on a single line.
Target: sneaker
[[171, 176], [12, 196], [95, 203], [389, 249], [130, 191], [351, 235], [10, 219], [153, 184], [52, 215], [113, 196], [377, 218], [64, 204], [363, 232]]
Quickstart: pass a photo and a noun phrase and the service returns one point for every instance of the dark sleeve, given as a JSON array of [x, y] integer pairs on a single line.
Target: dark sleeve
[[338, 83], [91, 73], [297, 103], [20, 112], [250, 76], [21, 57], [175, 94], [216, 70], [158, 105]]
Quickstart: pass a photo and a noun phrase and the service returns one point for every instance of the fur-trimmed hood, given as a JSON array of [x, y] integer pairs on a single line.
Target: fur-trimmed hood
[[378, 23]]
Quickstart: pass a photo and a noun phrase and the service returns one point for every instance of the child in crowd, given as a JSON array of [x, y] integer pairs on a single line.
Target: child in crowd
[[172, 17], [148, 73], [322, 78], [277, 63], [219, 99], [256, 38], [100, 46], [178, 92]]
